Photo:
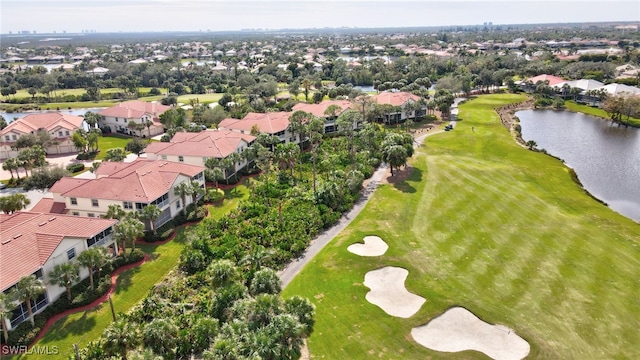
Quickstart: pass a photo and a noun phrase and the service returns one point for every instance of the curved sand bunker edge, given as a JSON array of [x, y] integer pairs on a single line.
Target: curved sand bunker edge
[[389, 293], [458, 329], [371, 246]]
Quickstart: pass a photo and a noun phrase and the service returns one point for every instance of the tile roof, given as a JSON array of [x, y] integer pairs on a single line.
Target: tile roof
[[208, 143], [28, 239], [138, 181], [620, 89], [319, 109], [48, 205], [394, 98], [271, 122], [584, 84], [47, 121], [135, 109], [553, 80]]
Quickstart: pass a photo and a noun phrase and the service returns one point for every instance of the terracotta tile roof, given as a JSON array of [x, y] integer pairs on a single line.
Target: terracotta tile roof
[[48, 205], [269, 123], [553, 80], [319, 109], [208, 143], [28, 239], [139, 181], [394, 98], [135, 109], [48, 121], [67, 183]]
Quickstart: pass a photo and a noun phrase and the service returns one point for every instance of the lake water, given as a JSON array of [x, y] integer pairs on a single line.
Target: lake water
[[10, 116], [605, 157]]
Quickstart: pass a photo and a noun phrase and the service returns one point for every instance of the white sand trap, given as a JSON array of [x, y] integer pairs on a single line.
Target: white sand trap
[[373, 246], [458, 329], [388, 292]]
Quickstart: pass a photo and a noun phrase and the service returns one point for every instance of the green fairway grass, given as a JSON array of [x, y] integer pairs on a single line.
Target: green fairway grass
[[111, 141], [484, 224]]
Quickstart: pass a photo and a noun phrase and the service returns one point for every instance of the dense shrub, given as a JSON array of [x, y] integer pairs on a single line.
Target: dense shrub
[[214, 195], [73, 168]]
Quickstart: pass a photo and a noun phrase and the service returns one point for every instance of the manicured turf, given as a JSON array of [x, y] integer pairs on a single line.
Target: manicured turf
[[107, 142], [232, 197], [131, 287], [575, 107], [500, 230]]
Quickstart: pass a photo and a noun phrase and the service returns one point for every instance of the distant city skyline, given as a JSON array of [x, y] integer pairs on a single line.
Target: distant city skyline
[[74, 16]]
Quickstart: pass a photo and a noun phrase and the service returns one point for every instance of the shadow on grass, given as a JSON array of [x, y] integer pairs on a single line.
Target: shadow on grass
[[402, 178], [124, 280], [75, 327]]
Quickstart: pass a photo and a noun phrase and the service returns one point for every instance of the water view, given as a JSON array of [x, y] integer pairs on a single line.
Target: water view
[[17, 115], [606, 157]]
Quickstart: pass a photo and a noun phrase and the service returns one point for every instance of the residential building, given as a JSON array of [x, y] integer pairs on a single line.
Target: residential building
[[133, 186], [399, 100], [146, 116], [34, 243], [319, 110], [59, 126], [196, 148], [273, 123]]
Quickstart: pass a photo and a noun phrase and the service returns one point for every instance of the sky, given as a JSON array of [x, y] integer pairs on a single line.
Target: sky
[[47, 16]]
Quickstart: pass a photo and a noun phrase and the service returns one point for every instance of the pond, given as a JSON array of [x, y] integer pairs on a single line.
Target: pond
[[17, 115], [605, 156]]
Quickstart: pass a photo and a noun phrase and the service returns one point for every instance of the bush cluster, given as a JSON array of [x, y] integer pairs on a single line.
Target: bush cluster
[[73, 168]]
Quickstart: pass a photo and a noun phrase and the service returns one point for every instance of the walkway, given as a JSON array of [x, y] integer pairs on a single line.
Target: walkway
[[294, 267]]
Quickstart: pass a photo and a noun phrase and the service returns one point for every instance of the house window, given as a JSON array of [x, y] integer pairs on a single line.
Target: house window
[[7, 137], [59, 133], [178, 205], [71, 253], [94, 202], [91, 215], [38, 274], [181, 158], [163, 157], [14, 137], [74, 201], [116, 119], [127, 205], [66, 132], [75, 213]]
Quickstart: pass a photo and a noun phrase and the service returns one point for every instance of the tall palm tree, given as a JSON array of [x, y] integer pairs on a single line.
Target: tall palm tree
[[11, 165], [315, 128], [297, 124], [27, 289], [65, 275], [151, 213], [7, 304], [127, 231], [93, 259], [183, 190], [115, 211], [196, 191]]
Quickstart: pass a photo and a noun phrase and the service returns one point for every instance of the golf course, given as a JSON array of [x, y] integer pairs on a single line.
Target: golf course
[[483, 224]]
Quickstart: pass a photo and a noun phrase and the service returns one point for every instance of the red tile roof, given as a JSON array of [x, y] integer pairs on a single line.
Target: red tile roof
[[553, 80], [208, 143], [135, 109], [139, 181], [270, 123], [48, 205], [394, 98], [28, 239], [47, 121], [319, 109]]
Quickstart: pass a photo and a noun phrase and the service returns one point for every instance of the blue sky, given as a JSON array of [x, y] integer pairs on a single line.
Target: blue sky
[[192, 15]]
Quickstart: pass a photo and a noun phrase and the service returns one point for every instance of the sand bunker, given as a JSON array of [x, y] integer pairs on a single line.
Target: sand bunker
[[373, 246], [458, 329], [388, 292]]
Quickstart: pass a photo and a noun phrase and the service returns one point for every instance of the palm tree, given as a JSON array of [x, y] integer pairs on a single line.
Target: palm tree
[[315, 128], [10, 165], [395, 156], [115, 211], [14, 202], [7, 304], [183, 189], [121, 336], [127, 231], [297, 124], [27, 289], [65, 275], [196, 191], [93, 259], [151, 213]]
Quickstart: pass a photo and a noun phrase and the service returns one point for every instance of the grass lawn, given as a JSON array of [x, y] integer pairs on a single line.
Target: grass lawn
[[231, 199], [575, 107], [203, 98], [132, 286], [107, 142], [484, 224]]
